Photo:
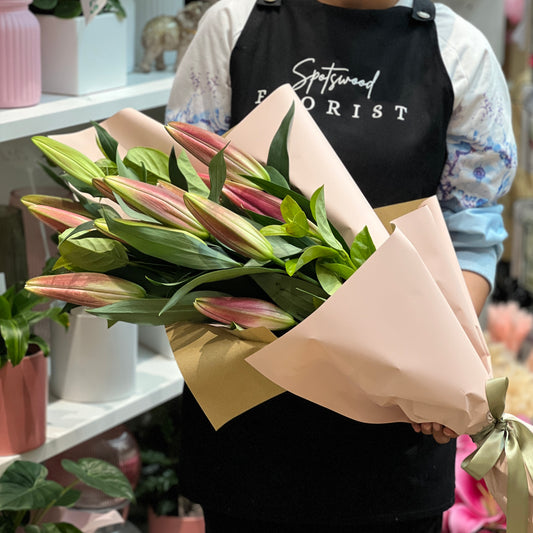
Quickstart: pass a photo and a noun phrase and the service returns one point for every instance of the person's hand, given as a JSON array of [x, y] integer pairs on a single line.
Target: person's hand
[[440, 433]]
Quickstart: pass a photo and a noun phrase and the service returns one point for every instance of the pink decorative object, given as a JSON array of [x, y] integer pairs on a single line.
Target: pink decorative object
[[23, 400], [20, 55], [514, 9]]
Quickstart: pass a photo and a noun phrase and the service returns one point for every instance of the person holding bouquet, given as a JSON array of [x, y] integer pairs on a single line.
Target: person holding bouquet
[[414, 102]]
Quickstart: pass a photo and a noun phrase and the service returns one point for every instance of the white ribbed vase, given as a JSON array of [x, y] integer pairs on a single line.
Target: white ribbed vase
[[20, 55]]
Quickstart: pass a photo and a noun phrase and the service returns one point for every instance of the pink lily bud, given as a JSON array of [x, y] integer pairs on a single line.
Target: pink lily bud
[[229, 228], [253, 199], [245, 312], [204, 145], [89, 289], [165, 205], [55, 201], [57, 219]]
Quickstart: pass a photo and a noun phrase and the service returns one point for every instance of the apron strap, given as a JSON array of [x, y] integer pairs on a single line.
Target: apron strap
[[423, 10], [269, 3]]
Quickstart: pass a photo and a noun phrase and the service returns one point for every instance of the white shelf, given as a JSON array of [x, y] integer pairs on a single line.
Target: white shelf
[[143, 91], [158, 380]]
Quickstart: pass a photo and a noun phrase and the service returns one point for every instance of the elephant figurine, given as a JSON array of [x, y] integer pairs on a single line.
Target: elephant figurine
[[168, 33]]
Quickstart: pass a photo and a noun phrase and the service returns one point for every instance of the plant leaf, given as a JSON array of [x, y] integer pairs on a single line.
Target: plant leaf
[[106, 143], [295, 296], [172, 245], [308, 255], [149, 311], [362, 247], [211, 277], [174, 173], [278, 156], [100, 475], [16, 334], [194, 182], [328, 280], [318, 208], [23, 486], [217, 176], [154, 161]]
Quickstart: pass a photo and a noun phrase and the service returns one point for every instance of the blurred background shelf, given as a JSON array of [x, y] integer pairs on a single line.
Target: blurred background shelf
[[158, 380], [143, 91]]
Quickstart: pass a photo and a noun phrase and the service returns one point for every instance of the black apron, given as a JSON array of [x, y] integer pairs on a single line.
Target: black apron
[[375, 83]]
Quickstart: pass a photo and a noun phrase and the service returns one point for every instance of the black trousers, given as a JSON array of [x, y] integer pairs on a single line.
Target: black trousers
[[220, 523]]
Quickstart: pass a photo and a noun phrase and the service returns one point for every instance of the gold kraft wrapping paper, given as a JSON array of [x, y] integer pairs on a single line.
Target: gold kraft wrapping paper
[[398, 342]]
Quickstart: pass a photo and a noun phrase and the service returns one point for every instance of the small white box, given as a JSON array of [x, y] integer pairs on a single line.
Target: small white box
[[79, 58]]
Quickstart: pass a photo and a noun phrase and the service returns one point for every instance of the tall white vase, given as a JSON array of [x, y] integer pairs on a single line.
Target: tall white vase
[[146, 10], [91, 362]]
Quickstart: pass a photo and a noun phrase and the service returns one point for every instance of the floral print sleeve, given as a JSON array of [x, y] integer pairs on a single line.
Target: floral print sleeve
[[201, 93], [481, 160]]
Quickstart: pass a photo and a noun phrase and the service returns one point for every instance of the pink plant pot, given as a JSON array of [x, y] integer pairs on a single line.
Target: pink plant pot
[[23, 401], [175, 524], [20, 55]]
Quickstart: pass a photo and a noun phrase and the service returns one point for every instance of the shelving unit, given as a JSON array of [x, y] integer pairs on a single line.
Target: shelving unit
[[158, 380], [143, 91]]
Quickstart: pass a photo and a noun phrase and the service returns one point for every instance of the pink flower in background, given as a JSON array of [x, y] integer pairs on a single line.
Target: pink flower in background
[[474, 510], [514, 9]]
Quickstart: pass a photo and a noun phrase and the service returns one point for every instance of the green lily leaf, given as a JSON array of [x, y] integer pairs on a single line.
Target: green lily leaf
[[23, 486], [212, 277], [328, 280], [318, 208], [297, 223], [276, 177], [45, 4], [194, 182], [295, 296], [362, 247], [96, 254], [107, 144], [149, 311], [100, 475], [174, 173], [278, 156], [126, 172], [172, 245], [308, 255], [108, 167], [154, 161], [341, 270], [133, 213], [217, 176]]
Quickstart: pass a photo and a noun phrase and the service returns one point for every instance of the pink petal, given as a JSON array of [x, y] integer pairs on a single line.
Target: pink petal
[[460, 519]]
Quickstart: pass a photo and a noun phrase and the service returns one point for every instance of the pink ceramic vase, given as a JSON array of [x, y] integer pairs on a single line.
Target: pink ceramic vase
[[23, 400], [20, 55]]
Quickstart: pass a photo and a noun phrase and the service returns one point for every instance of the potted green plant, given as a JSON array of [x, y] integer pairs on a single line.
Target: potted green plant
[[26, 495], [72, 8], [76, 58], [23, 369], [158, 492]]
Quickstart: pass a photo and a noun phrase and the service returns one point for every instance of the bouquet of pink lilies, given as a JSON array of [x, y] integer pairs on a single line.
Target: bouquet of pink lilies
[[150, 240]]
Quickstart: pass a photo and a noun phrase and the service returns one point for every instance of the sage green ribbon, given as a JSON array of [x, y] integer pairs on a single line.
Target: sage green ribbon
[[509, 435]]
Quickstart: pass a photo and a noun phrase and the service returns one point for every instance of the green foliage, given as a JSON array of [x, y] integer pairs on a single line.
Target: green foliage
[[71, 8], [26, 495], [17, 316]]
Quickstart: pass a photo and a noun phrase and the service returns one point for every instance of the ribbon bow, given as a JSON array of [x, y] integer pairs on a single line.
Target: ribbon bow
[[509, 435]]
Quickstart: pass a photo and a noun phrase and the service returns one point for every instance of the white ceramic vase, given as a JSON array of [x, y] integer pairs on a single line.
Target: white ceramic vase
[[91, 362], [77, 58]]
